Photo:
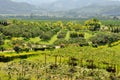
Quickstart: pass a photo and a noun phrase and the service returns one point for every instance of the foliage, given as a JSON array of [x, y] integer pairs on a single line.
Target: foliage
[[76, 35], [60, 41], [46, 36], [27, 29], [115, 29], [93, 24], [2, 48], [79, 41], [4, 22], [17, 49], [104, 38], [62, 34], [1, 39], [76, 60]]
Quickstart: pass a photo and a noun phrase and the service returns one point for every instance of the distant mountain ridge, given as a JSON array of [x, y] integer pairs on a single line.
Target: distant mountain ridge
[[73, 8], [72, 4], [10, 7], [87, 7], [111, 8]]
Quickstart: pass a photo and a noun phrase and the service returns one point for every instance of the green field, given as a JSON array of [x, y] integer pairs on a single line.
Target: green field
[[86, 51]]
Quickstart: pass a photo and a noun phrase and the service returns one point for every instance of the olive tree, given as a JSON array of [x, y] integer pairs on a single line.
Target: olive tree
[[93, 24]]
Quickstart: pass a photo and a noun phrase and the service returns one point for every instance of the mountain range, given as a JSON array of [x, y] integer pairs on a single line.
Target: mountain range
[[10, 7], [62, 7]]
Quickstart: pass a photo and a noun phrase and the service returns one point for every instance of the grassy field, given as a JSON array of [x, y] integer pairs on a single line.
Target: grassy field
[[46, 58], [75, 60]]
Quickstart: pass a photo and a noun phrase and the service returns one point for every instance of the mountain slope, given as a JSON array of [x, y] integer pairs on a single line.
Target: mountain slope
[[73, 8], [85, 7], [72, 4], [103, 8], [10, 7]]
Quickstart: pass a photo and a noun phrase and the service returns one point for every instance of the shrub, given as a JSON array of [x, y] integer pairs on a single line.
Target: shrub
[[73, 34], [17, 49], [80, 34], [46, 36], [80, 41], [76, 35], [104, 38], [62, 34], [93, 24], [2, 48], [60, 41]]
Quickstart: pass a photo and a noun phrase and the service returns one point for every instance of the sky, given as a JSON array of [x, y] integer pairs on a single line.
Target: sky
[[36, 1]]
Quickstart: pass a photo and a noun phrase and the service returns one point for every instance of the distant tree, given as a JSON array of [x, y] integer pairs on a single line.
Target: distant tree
[[4, 23], [1, 39], [93, 24], [74, 34], [46, 36], [115, 18], [104, 38], [60, 41]]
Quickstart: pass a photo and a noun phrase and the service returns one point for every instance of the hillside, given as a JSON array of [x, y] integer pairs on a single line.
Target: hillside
[[72, 8], [10, 7], [77, 8], [112, 8]]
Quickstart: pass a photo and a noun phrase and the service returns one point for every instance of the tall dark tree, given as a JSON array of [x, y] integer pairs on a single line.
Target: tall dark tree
[[17, 49]]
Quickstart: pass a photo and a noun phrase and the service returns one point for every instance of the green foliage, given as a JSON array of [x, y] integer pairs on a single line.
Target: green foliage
[[115, 29], [104, 38], [76, 35], [18, 42], [60, 41], [17, 49], [27, 29], [80, 41], [4, 22], [1, 39], [62, 34], [76, 60], [93, 24], [46, 36], [2, 48]]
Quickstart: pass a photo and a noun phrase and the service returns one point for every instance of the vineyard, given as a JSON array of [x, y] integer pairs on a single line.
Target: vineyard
[[59, 50]]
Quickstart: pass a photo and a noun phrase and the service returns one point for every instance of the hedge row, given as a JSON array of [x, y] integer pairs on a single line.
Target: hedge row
[[4, 58], [62, 34]]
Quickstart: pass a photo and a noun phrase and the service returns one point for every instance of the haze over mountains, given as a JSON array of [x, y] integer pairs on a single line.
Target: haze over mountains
[[10, 7], [61, 7]]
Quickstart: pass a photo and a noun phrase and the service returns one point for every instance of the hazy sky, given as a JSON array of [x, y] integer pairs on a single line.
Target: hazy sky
[[40, 1], [35, 1]]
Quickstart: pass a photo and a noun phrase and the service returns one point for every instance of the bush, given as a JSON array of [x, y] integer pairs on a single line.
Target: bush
[[93, 24], [80, 34], [62, 34], [2, 48], [60, 41], [73, 34], [81, 41], [104, 38], [76, 35], [17, 49], [46, 36]]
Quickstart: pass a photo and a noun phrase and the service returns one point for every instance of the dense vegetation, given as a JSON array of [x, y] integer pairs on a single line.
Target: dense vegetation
[[87, 51]]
